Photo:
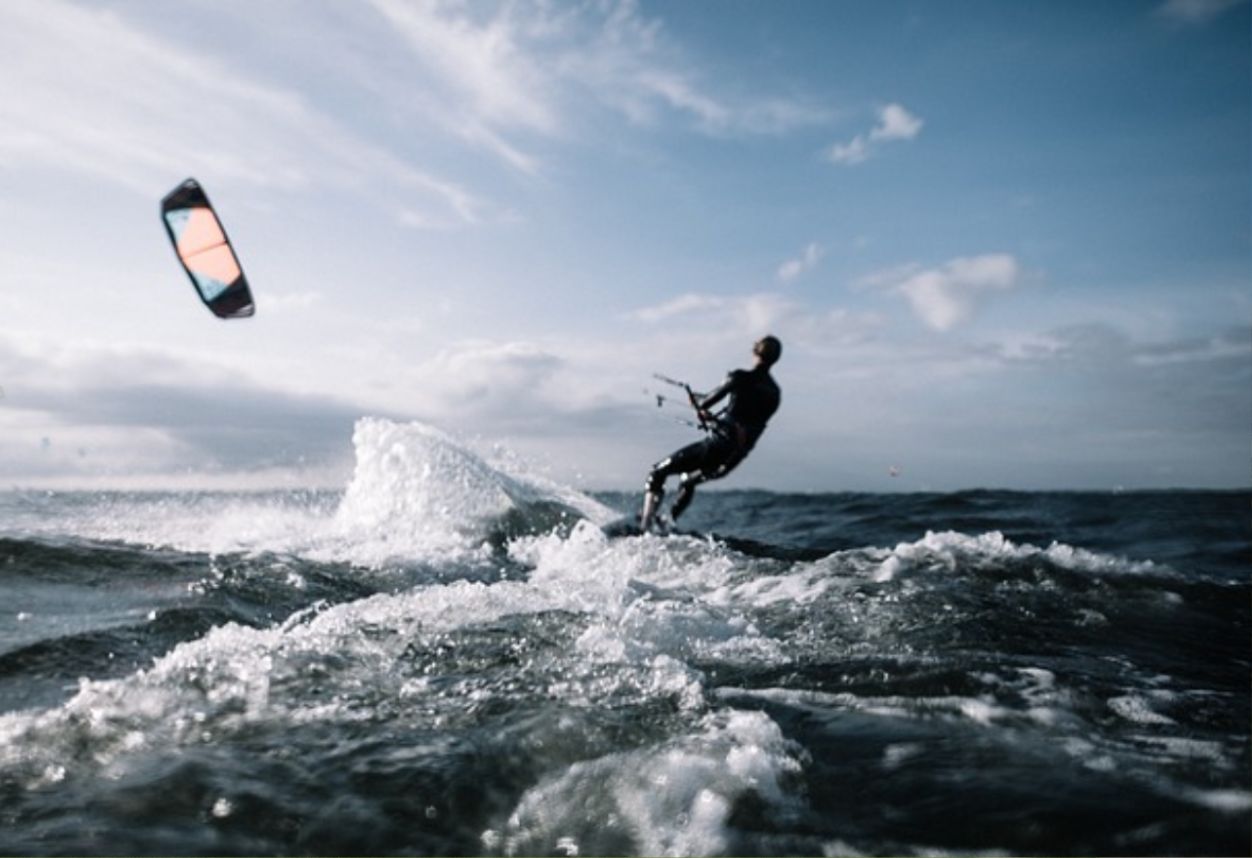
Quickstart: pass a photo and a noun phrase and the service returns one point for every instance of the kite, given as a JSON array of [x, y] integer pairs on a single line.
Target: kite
[[206, 252]]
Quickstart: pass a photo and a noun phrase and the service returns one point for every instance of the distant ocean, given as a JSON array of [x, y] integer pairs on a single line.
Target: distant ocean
[[450, 657]]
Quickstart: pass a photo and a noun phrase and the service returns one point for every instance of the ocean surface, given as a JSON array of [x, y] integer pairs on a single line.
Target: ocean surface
[[449, 656]]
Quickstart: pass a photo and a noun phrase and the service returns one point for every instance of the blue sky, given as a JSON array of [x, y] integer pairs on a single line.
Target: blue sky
[[1004, 244]]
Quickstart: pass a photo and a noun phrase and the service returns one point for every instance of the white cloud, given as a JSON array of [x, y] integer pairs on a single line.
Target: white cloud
[[702, 330], [695, 335], [947, 296], [687, 303], [895, 124], [855, 151], [732, 322], [1195, 11], [89, 410], [485, 377], [734, 316], [292, 301], [805, 262], [887, 278]]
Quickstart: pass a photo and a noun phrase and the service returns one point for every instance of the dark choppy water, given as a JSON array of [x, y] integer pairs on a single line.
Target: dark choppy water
[[447, 659]]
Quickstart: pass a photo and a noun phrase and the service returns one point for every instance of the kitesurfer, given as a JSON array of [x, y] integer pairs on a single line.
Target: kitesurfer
[[754, 397]]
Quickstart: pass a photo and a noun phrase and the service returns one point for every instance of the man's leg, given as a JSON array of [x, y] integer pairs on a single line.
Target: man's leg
[[719, 459], [651, 502], [686, 491], [684, 460]]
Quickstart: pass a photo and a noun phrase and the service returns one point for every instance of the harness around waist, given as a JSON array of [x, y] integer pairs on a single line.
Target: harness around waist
[[742, 435]]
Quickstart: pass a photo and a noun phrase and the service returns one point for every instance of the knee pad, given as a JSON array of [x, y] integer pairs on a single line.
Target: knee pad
[[686, 491], [655, 483], [690, 480]]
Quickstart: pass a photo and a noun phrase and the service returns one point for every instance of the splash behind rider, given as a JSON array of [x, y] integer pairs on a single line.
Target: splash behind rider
[[754, 397]]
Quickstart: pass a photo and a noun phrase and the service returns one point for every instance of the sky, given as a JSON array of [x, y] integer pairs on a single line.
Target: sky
[[1004, 244]]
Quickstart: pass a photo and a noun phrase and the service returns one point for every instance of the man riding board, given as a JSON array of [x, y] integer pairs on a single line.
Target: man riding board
[[754, 397]]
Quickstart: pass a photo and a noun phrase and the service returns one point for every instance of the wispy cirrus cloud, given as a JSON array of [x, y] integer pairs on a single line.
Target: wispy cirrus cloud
[[730, 323], [805, 262], [689, 302], [746, 315], [147, 110], [512, 74], [488, 65], [505, 78], [895, 124], [1196, 11]]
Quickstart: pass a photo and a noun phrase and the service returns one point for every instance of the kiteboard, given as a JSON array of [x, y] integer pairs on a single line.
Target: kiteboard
[[628, 526]]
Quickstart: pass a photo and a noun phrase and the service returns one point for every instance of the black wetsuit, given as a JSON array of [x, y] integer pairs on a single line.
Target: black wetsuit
[[754, 397]]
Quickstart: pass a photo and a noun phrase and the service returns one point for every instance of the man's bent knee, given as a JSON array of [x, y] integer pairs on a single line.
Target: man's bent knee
[[656, 478], [686, 491]]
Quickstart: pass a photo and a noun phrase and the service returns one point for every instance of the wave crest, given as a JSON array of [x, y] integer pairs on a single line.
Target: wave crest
[[416, 493]]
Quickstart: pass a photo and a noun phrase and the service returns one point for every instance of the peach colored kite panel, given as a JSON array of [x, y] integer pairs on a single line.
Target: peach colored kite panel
[[216, 262], [201, 232]]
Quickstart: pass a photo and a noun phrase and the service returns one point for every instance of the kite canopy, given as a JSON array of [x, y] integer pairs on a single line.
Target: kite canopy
[[205, 251]]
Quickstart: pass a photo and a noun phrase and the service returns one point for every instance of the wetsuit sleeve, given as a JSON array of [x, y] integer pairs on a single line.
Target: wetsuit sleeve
[[718, 395]]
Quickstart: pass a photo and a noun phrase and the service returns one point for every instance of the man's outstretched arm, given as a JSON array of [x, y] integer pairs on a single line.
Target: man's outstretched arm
[[707, 403]]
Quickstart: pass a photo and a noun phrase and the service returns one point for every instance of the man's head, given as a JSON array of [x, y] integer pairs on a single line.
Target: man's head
[[767, 350]]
